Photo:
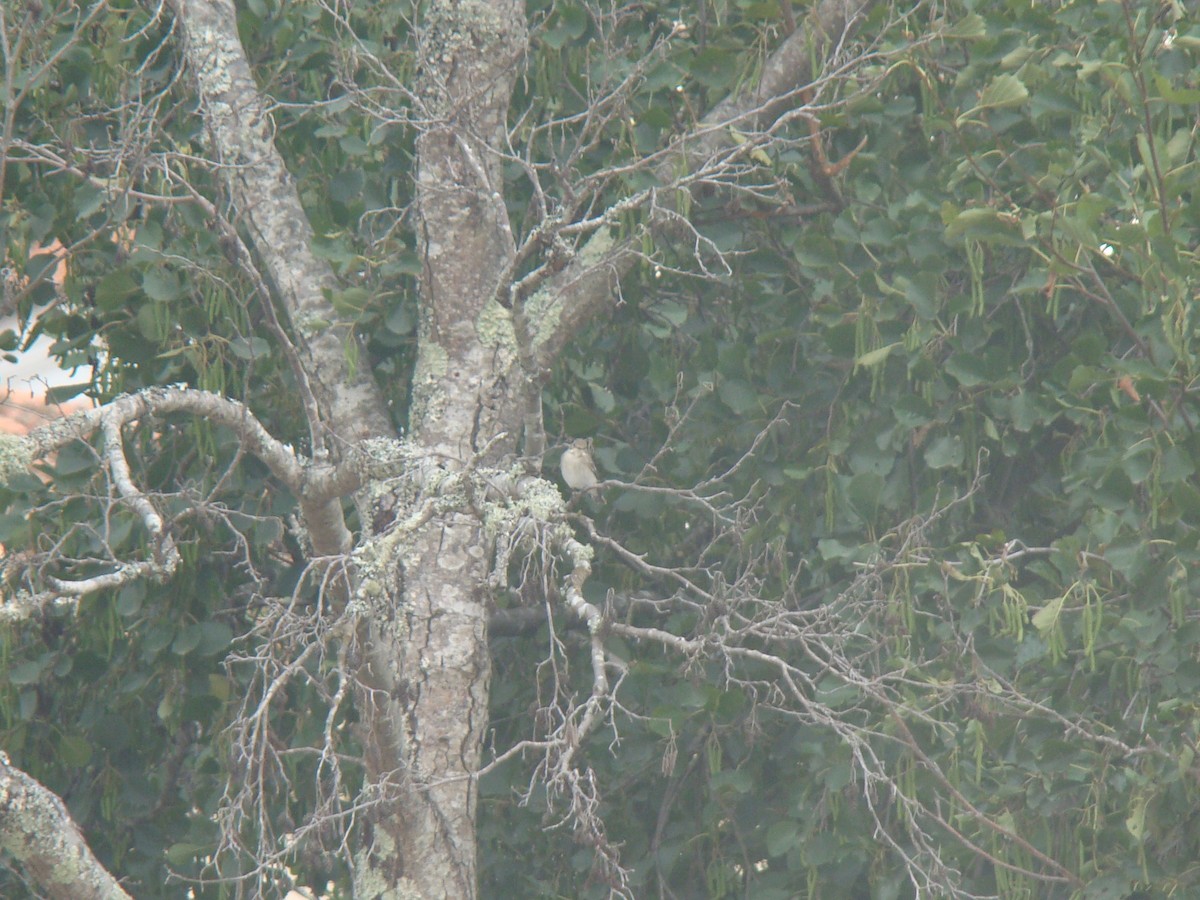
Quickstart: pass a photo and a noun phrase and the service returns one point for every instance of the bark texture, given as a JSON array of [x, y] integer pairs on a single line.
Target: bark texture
[[423, 690], [431, 656], [37, 832], [268, 205]]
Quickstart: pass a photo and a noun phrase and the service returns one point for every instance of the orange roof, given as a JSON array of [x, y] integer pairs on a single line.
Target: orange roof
[[22, 411]]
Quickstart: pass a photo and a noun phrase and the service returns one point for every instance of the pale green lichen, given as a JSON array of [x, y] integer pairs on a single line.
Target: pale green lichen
[[543, 313], [309, 324], [543, 500], [216, 64], [16, 455], [499, 519], [543, 309], [385, 450], [370, 880], [380, 559], [495, 326], [376, 568], [380, 460], [540, 504], [597, 246], [454, 25], [433, 362]]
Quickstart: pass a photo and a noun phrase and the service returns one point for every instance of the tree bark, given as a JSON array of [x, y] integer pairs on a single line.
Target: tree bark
[[431, 657], [38, 833], [424, 677]]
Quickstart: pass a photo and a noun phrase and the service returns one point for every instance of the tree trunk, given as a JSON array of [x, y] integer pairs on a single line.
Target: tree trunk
[[427, 693], [424, 675]]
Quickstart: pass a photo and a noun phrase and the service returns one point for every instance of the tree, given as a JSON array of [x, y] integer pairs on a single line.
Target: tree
[[879, 317]]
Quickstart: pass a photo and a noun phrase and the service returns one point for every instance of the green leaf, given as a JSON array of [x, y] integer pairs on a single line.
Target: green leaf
[[1002, 92], [675, 314], [351, 301], [569, 23], [984, 223], [1177, 465], [969, 27], [353, 145], [1135, 822], [969, 369], [1045, 620], [75, 751], [31, 671], [252, 348], [88, 199], [214, 638], [187, 640], [74, 458], [161, 285], [738, 395], [714, 67], [782, 837], [130, 598], [602, 397], [62, 393], [153, 325], [115, 289], [401, 320], [944, 452], [346, 186], [863, 492], [181, 854]]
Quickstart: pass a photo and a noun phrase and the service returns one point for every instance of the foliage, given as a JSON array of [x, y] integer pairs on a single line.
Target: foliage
[[973, 355], [1003, 291]]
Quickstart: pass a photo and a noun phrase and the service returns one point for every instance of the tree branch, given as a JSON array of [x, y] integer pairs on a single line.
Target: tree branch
[[37, 832], [268, 203], [588, 282], [277, 456], [320, 507]]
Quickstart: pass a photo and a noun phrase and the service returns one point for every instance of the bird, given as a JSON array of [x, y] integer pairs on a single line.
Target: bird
[[578, 467]]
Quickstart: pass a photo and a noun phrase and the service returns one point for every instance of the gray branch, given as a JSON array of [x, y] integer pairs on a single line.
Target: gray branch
[[38, 834], [589, 282], [268, 204], [321, 508]]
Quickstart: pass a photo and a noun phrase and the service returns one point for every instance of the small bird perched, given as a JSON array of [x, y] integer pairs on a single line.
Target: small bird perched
[[578, 467]]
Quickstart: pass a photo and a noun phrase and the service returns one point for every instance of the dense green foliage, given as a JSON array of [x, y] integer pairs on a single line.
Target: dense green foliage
[[1006, 289], [993, 302]]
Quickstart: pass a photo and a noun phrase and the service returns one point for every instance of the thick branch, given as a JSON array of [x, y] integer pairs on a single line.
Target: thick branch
[[268, 203], [37, 833], [588, 283], [321, 508], [278, 457]]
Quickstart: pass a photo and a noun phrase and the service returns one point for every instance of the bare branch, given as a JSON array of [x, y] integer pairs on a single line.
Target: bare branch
[[278, 457], [321, 508]]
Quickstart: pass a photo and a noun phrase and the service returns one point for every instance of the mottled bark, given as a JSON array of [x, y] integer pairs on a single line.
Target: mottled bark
[[38, 834], [433, 656], [268, 206]]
